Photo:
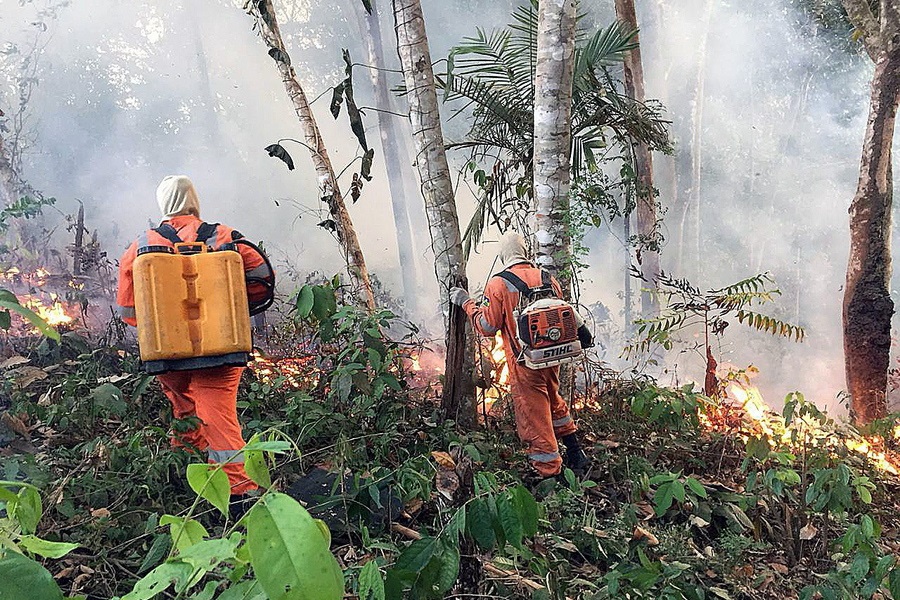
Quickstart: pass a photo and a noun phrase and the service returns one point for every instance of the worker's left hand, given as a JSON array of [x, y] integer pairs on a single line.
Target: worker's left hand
[[458, 296]]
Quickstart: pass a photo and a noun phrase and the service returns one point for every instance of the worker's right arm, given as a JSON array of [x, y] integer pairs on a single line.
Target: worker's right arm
[[125, 292], [488, 317]]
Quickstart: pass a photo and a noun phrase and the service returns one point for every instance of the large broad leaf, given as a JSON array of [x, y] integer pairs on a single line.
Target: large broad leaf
[[24, 579], [28, 509], [245, 590], [510, 518], [528, 508], [159, 580], [46, 548], [324, 304], [479, 524], [211, 484], [290, 552], [305, 300], [416, 555]]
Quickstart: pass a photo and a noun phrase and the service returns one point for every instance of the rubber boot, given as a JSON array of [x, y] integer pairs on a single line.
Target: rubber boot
[[575, 458]]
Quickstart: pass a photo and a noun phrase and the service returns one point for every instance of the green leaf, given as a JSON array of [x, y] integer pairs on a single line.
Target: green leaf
[[510, 519], [479, 524], [894, 582], [183, 531], [159, 580], [28, 509], [324, 304], [414, 558], [273, 446], [289, 552], [528, 508], [371, 585], [305, 300], [245, 590], [46, 548], [448, 570], [22, 578], [859, 568], [663, 499], [211, 484], [156, 553], [256, 468], [32, 317], [696, 487], [678, 491]]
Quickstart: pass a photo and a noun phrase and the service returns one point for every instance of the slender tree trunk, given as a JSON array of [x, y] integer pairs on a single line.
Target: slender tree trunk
[[697, 139], [395, 166], [331, 192], [643, 167], [553, 80], [458, 400], [868, 307]]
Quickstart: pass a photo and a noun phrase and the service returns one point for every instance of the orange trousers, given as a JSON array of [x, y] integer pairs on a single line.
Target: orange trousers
[[211, 396], [542, 415]]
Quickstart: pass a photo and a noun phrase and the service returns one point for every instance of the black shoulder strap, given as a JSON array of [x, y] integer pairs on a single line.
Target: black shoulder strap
[[206, 231], [168, 232], [546, 279], [515, 281]]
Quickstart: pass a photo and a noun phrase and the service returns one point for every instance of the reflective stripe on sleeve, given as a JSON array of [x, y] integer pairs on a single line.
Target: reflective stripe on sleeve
[[544, 456], [126, 312], [226, 456], [260, 271], [487, 327], [563, 421]]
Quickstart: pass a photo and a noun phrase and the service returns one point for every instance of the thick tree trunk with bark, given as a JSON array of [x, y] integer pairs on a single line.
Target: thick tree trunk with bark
[[396, 159], [868, 307], [440, 204], [553, 80], [643, 167], [264, 12]]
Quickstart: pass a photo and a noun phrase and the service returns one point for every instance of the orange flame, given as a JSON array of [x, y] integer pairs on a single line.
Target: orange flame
[[53, 312]]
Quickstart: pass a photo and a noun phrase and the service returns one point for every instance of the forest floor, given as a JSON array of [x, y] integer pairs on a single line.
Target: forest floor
[[687, 497]]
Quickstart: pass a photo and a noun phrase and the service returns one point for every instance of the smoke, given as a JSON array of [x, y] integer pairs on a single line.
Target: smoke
[[131, 91]]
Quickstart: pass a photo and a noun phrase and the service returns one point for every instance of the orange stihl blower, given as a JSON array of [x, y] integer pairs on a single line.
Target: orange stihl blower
[[549, 329]]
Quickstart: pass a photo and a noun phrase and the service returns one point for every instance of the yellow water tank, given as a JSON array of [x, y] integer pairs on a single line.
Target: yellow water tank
[[191, 308]]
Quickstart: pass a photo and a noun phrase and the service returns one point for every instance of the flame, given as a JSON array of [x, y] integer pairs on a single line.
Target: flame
[[762, 419], [54, 312], [499, 374], [297, 373]]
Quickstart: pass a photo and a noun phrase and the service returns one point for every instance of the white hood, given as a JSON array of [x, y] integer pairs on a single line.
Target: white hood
[[176, 196]]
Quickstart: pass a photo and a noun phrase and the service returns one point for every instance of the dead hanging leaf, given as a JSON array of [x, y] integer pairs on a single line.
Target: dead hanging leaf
[[445, 460], [14, 423], [337, 98], [808, 532], [278, 151], [328, 224], [642, 534], [280, 55], [356, 188], [356, 124], [365, 170]]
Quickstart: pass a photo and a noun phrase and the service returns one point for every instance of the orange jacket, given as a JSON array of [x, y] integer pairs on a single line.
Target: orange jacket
[[500, 301], [186, 226]]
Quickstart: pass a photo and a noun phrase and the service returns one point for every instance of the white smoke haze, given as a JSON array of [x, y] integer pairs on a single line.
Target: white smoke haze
[[131, 91]]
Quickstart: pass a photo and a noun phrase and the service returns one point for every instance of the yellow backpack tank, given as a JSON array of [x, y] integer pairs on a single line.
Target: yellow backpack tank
[[191, 308]]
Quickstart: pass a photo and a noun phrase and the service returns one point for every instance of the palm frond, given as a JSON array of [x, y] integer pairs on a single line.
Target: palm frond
[[606, 47]]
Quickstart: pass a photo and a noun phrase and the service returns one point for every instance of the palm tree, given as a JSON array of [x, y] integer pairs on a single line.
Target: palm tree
[[493, 74]]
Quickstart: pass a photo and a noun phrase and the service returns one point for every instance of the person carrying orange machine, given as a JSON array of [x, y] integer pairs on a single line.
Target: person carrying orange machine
[[542, 416], [202, 387]]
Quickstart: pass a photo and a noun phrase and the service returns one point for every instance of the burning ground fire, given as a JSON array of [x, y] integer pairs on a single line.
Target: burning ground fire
[[760, 418], [47, 305]]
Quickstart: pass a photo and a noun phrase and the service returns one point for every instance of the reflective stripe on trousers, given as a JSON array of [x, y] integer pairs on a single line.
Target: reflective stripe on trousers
[[544, 457], [225, 456]]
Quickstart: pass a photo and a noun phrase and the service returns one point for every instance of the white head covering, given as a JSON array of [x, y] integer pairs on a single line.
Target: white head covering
[[513, 249], [176, 196]]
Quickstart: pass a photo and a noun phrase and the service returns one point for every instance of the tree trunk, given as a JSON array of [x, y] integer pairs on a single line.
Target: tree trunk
[[458, 400], [867, 300], [697, 141], [643, 168], [395, 166], [264, 12], [553, 80]]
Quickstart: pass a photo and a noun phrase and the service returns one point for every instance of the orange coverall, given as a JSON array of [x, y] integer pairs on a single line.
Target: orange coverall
[[208, 394], [541, 414]]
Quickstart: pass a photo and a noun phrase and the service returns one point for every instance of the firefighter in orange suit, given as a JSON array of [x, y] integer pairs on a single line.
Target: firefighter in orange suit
[[210, 394], [542, 416]]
